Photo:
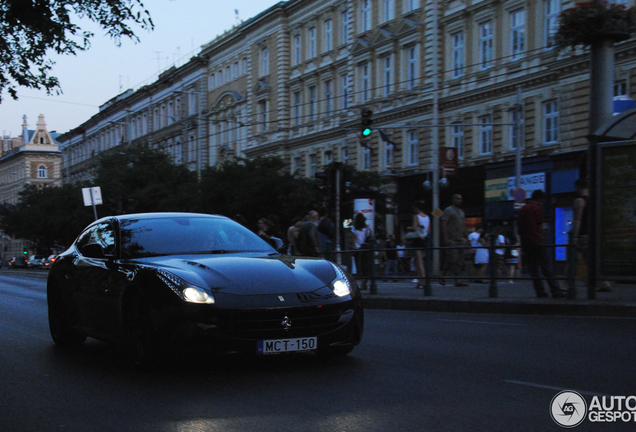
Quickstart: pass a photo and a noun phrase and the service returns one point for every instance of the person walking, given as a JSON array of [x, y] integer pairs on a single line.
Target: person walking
[[454, 235], [580, 226], [478, 241], [530, 225], [362, 234], [422, 226], [308, 242], [511, 255], [391, 257], [327, 233]]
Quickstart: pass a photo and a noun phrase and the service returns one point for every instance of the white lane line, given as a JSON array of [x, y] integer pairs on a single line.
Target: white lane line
[[480, 322], [529, 384]]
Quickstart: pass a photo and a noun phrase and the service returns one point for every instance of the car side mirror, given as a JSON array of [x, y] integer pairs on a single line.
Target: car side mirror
[[93, 251]]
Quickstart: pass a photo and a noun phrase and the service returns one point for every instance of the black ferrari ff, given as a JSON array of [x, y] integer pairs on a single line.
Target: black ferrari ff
[[156, 280]]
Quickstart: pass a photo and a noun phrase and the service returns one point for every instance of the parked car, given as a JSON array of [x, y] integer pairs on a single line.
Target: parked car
[[168, 279], [49, 261], [36, 261], [18, 262]]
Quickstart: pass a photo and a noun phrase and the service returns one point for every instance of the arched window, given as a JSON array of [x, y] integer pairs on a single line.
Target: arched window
[[42, 171]]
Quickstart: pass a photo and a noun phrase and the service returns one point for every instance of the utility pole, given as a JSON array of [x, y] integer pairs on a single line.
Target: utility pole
[[517, 134], [435, 138]]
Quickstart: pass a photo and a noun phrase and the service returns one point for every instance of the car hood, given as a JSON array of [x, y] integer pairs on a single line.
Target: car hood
[[248, 275]]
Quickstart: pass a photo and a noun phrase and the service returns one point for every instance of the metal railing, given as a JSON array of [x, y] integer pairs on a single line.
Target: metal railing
[[373, 252]]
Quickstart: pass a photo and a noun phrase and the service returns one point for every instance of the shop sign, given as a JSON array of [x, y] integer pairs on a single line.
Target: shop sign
[[496, 190]]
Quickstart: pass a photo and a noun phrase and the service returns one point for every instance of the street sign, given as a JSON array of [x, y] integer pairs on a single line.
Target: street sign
[[92, 196], [519, 195], [437, 213]]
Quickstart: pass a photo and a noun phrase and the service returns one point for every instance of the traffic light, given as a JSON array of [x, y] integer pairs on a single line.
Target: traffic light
[[366, 122]]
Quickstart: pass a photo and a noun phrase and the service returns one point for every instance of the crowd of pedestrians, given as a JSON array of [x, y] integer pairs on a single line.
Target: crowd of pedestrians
[[465, 255]]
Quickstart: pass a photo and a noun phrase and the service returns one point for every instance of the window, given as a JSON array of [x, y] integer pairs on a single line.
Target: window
[[344, 27], [550, 122], [192, 149], [263, 116], [264, 62], [457, 55], [387, 75], [365, 83], [411, 5], [297, 164], [344, 155], [412, 147], [458, 140], [296, 53], [485, 135], [312, 165], [192, 103], [328, 158], [235, 70], [296, 109], [312, 103], [388, 9], [178, 153], [388, 154], [312, 42], [228, 74], [411, 67], [485, 45], [620, 88], [170, 118], [344, 86], [41, 171], [328, 36], [219, 78], [245, 63], [366, 158], [366, 15], [515, 133], [552, 10], [212, 81], [517, 34], [329, 97]]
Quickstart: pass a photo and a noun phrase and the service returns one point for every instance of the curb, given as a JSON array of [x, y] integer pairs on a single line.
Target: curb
[[501, 307]]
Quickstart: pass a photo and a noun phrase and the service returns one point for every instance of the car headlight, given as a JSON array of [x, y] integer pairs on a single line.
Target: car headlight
[[184, 290], [340, 285]]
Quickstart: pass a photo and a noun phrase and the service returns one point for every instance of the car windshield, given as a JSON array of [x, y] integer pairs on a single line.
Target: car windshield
[[187, 235]]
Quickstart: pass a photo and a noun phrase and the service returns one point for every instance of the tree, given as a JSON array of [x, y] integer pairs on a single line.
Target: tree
[[257, 188], [142, 179], [30, 28]]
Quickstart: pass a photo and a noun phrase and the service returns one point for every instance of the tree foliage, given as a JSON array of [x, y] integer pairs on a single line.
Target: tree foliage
[[30, 28]]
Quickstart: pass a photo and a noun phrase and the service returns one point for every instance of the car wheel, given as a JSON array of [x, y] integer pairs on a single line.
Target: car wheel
[[59, 322]]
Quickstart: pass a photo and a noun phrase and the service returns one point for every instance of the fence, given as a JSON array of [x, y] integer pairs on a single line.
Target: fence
[[493, 291]]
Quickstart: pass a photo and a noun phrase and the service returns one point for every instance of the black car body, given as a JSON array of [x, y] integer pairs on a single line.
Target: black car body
[[164, 279], [18, 262]]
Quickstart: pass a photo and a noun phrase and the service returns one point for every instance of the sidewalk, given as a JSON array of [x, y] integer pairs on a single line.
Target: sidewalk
[[516, 298]]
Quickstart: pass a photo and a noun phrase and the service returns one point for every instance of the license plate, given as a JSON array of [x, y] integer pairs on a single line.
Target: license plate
[[286, 345]]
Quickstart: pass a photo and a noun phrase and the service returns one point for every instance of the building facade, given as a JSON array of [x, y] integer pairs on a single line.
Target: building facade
[[458, 74], [33, 158]]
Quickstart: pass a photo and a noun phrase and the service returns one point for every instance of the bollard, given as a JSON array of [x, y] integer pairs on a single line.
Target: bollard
[[428, 267], [374, 285], [493, 290], [571, 252]]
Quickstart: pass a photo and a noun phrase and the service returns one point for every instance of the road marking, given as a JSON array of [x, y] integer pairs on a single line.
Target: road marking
[[480, 322], [529, 384]]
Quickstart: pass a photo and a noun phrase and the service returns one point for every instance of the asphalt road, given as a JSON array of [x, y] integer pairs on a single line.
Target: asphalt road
[[415, 371]]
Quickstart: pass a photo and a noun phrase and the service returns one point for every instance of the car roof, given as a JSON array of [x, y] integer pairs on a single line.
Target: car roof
[[155, 215]]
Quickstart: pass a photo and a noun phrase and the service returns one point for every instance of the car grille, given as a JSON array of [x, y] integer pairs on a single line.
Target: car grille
[[268, 323]]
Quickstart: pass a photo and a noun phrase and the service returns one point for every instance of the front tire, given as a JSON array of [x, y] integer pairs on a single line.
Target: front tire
[[60, 327]]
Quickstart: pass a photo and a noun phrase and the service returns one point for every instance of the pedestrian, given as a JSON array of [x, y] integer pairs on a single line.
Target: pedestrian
[[292, 236], [264, 231], [327, 233], [479, 243], [454, 236], [421, 228], [500, 240], [391, 257], [530, 225], [511, 255], [402, 259], [362, 234], [581, 228], [308, 242]]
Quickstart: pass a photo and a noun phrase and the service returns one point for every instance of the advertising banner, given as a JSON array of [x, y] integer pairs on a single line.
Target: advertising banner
[[366, 206], [617, 202]]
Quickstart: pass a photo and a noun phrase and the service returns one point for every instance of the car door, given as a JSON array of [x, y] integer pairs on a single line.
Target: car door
[[98, 283]]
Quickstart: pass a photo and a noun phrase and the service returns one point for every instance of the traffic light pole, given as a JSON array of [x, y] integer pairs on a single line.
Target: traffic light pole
[[338, 225]]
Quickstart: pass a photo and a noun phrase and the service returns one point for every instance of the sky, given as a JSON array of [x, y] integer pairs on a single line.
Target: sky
[[93, 77]]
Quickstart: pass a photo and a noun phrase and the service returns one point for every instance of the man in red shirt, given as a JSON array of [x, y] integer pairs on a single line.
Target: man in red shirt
[[530, 225]]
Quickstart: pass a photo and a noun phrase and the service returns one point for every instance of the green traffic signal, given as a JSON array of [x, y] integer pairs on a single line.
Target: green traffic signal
[[367, 132], [366, 120]]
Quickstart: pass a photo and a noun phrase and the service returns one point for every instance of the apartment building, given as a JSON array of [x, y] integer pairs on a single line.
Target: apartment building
[[443, 75], [33, 158]]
